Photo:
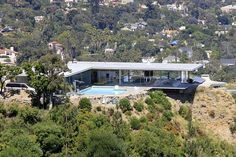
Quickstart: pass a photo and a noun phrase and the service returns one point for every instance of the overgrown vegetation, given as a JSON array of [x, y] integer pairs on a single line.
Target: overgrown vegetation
[[68, 130]]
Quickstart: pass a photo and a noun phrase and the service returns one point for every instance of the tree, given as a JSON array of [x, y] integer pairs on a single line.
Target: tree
[[107, 144], [22, 146], [7, 73], [46, 76], [94, 4], [49, 136]]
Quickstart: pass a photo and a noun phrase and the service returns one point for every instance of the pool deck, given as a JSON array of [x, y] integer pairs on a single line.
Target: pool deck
[[132, 93], [129, 91], [134, 90]]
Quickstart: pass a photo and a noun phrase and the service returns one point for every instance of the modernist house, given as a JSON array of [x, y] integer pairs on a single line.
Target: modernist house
[[171, 75]]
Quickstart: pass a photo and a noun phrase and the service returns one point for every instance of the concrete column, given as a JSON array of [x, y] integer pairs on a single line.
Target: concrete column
[[183, 77], [129, 76], [119, 77], [187, 75]]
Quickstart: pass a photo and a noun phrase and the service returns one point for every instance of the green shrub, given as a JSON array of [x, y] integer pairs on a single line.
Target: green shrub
[[124, 105], [233, 127], [143, 119], [85, 103], [160, 98], [168, 115], [13, 111], [3, 110], [128, 113], [149, 102], [30, 115], [139, 106], [111, 111], [234, 96], [135, 123], [99, 108], [184, 111]]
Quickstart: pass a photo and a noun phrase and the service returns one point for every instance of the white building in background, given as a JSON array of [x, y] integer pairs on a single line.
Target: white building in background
[[56, 1], [228, 8], [8, 56], [126, 1], [148, 59], [58, 48], [38, 18], [171, 59], [71, 2]]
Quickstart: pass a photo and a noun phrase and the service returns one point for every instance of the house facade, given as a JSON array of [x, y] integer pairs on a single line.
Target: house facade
[[58, 48], [8, 56]]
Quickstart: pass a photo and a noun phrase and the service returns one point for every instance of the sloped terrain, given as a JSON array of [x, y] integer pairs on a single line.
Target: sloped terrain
[[215, 109]]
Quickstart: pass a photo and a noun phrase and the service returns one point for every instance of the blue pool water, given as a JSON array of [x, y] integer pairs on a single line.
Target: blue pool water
[[102, 91]]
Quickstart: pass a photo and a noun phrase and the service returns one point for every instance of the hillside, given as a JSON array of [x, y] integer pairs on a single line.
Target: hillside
[[215, 110], [154, 126]]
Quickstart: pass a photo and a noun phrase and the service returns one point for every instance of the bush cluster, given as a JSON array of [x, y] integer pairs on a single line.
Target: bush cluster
[[184, 111], [160, 98], [85, 104], [125, 105], [135, 123], [138, 106]]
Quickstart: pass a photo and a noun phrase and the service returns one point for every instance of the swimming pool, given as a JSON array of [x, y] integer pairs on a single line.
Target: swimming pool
[[102, 91]]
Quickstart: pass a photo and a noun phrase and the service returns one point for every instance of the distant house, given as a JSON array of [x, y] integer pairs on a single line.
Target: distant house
[[56, 1], [201, 22], [7, 29], [22, 78], [142, 6], [38, 18], [203, 62], [174, 43], [148, 59], [171, 59], [8, 56], [141, 24], [126, 1], [71, 2], [57, 47], [109, 51], [182, 28], [221, 32], [175, 7], [208, 52], [228, 8], [187, 50], [125, 29], [227, 62], [170, 32]]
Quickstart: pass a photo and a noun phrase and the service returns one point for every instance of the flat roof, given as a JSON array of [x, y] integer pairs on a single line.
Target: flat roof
[[77, 67]]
